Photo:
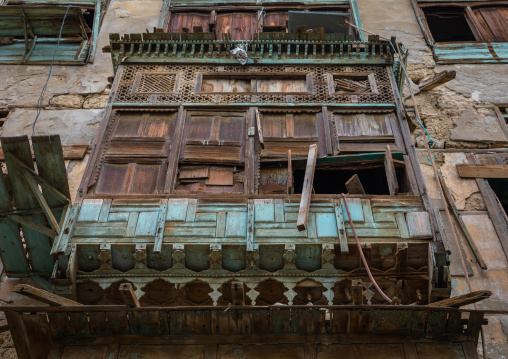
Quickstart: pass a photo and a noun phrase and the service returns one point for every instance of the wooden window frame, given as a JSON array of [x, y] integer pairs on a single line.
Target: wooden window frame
[[139, 76], [254, 76], [369, 75], [463, 51]]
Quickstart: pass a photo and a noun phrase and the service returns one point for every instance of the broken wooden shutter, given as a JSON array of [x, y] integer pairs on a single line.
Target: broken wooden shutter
[[191, 21], [360, 132], [493, 23], [136, 154], [34, 29], [294, 131], [275, 21], [215, 138], [240, 25]]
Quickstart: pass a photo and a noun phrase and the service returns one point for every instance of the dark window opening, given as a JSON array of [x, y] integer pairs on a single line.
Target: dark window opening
[[3, 117], [448, 24], [89, 16], [500, 188]]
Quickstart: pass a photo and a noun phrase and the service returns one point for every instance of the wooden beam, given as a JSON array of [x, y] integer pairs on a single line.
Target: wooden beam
[[73, 152], [482, 171], [391, 175], [303, 213], [258, 125], [439, 79], [24, 221], [42, 201], [462, 225], [462, 300], [43, 295], [291, 188], [354, 185], [128, 295]]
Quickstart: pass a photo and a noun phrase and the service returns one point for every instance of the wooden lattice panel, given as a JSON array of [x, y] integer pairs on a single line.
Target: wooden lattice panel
[[154, 83]]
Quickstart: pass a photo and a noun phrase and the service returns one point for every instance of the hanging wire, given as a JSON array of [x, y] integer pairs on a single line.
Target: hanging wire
[[43, 91]]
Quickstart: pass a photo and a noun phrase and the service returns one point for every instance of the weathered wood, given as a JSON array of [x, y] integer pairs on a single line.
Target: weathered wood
[[18, 334], [341, 230], [418, 224], [463, 300], [482, 171], [33, 225], [291, 188], [43, 295], [456, 214], [354, 185], [439, 79], [260, 130], [127, 294], [391, 175], [307, 188]]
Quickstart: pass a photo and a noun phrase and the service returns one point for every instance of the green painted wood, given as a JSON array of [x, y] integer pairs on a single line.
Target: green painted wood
[[308, 257], [355, 208], [264, 210], [12, 252], [90, 210], [367, 211], [104, 213], [205, 229], [311, 226], [177, 210], [191, 210], [326, 224], [384, 217], [161, 222], [280, 230], [132, 222], [279, 210], [206, 217], [221, 225], [250, 225], [339, 220], [370, 233], [473, 52], [147, 224], [38, 245], [109, 229], [401, 224], [118, 217], [62, 240], [236, 224]]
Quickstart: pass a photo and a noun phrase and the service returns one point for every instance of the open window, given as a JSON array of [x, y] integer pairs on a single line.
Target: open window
[[212, 155], [136, 153], [29, 31], [254, 83], [463, 32], [358, 83]]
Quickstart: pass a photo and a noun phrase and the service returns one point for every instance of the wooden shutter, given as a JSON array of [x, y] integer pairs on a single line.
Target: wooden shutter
[[190, 20], [360, 132], [241, 25], [135, 160], [215, 137], [294, 131], [275, 21], [493, 23]]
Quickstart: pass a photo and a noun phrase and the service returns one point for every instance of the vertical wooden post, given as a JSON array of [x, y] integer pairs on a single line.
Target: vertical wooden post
[[391, 176], [303, 213]]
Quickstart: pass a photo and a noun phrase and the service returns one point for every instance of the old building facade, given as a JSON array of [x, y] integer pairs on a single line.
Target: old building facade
[[220, 142]]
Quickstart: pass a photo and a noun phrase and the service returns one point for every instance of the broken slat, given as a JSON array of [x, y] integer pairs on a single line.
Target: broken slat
[[439, 79], [303, 213], [43, 295], [72, 152], [354, 185], [463, 300], [344, 248], [462, 225], [127, 294], [391, 175], [482, 171]]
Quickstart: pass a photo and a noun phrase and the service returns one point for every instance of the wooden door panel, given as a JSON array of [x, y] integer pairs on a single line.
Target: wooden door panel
[[354, 126], [190, 21], [131, 178], [497, 21], [240, 25]]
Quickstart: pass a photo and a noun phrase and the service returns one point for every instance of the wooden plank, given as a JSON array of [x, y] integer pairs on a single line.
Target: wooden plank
[[72, 152], [402, 225], [418, 224], [291, 188], [354, 185], [43, 295], [439, 79], [462, 300], [307, 188], [18, 334], [250, 225], [482, 171], [161, 222], [258, 125], [340, 227], [127, 294], [391, 175], [463, 227], [24, 221]]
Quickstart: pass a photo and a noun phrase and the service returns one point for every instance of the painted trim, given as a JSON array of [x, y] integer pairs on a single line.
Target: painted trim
[[355, 12], [471, 52]]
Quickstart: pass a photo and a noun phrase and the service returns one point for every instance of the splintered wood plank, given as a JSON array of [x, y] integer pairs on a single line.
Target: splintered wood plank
[[340, 227], [482, 171], [391, 175], [354, 185], [43, 295], [418, 224], [303, 213]]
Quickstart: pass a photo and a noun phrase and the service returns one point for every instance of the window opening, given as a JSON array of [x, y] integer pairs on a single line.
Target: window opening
[[3, 117], [448, 24], [500, 188]]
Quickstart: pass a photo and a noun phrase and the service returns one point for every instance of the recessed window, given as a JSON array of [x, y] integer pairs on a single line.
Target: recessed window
[[352, 84], [448, 24]]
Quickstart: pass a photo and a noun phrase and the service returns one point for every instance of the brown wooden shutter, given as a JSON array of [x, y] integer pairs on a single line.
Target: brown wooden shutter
[[241, 25], [493, 23], [188, 20], [215, 138]]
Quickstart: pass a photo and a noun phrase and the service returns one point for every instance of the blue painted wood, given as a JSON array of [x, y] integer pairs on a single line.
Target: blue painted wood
[[12, 252], [264, 210], [236, 224], [279, 210], [161, 222], [132, 224], [308, 256], [355, 208], [221, 225], [311, 226], [118, 217], [191, 210], [147, 224], [177, 210], [474, 52], [326, 224], [90, 210]]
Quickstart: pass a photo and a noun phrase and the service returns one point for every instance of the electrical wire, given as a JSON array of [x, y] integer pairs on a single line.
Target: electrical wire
[[439, 186], [43, 91]]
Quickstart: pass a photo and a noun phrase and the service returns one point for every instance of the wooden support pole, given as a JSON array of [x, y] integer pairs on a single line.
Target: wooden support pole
[[462, 225], [462, 300], [128, 295], [354, 185], [43, 296], [439, 79], [391, 175], [303, 213]]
